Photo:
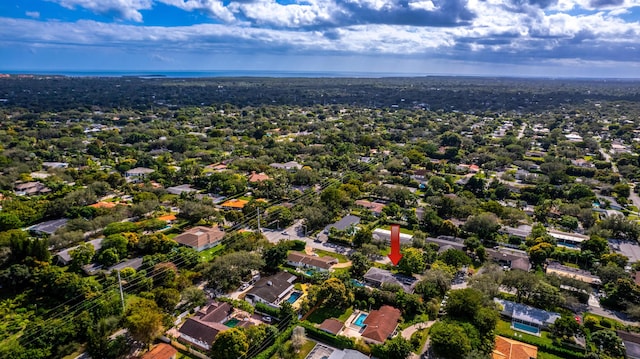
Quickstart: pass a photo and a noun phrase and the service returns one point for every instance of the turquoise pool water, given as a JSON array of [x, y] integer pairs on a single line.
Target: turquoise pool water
[[231, 323], [526, 328], [360, 320], [293, 297], [357, 283]]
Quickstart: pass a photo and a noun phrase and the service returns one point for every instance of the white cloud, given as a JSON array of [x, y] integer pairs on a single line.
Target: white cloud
[[212, 8], [121, 9], [33, 14]]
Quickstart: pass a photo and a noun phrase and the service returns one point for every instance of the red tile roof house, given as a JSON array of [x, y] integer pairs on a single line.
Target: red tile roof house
[[380, 324], [202, 329], [301, 260], [201, 238], [258, 177], [374, 207], [161, 351]]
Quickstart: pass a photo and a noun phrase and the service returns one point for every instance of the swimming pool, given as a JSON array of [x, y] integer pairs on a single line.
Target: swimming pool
[[526, 328], [357, 283], [293, 297], [360, 319], [231, 323]]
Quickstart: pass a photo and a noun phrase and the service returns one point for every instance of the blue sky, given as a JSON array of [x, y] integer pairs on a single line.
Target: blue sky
[[557, 38]]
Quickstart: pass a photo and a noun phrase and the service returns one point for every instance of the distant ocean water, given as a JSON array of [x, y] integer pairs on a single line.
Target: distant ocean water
[[198, 74]]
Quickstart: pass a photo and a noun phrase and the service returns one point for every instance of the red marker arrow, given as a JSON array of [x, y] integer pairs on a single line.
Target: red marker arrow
[[395, 254]]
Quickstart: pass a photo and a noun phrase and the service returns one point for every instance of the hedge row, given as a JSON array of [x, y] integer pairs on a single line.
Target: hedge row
[[267, 309], [280, 340], [338, 341]]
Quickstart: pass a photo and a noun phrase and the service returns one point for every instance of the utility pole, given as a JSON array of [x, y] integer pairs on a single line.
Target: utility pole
[[121, 293], [259, 230]]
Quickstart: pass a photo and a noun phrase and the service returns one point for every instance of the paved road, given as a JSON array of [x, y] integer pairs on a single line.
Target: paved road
[[633, 196], [521, 133]]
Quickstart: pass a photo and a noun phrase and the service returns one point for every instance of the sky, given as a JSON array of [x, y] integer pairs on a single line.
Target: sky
[[539, 38]]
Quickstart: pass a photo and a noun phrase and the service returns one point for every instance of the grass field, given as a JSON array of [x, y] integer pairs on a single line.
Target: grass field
[[320, 314], [208, 254], [340, 257]]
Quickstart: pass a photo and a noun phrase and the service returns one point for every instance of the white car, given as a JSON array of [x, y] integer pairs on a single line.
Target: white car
[[266, 319]]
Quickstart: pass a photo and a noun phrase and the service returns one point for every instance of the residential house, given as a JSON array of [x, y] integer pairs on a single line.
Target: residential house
[[506, 348], [64, 256], [201, 238], [631, 343], [201, 329], [347, 223], [385, 235], [573, 137], [169, 218], [521, 232], [183, 188], [568, 240], [138, 174], [271, 290], [332, 326], [288, 166], [448, 242], [102, 204], [570, 272], [48, 165], [258, 177], [31, 188], [48, 228], [376, 277], [380, 324], [235, 203], [510, 258], [525, 318], [374, 207], [302, 260], [581, 162], [161, 351]]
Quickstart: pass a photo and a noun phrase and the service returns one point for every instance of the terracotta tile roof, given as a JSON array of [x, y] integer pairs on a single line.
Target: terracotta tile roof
[[200, 237], [235, 203], [381, 323], [374, 207], [103, 205], [512, 349], [333, 326], [161, 351], [258, 177], [167, 217]]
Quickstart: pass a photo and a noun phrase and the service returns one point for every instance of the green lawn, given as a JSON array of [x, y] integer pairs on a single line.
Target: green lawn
[[208, 254], [340, 257], [320, 314], [543, 355], [304, 351], [504, 328]]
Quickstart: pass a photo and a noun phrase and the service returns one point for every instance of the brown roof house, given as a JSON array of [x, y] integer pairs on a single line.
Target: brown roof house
[[202, 329], [31, 188], [161, 351], [333, 326], [258, 177], [374, 207], [512, 349], [271, 290], [301, 260], [380, 324], [201, 238]]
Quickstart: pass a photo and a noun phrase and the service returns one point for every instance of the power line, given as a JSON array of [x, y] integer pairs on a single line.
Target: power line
[[70, 312]]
